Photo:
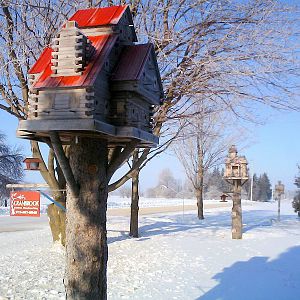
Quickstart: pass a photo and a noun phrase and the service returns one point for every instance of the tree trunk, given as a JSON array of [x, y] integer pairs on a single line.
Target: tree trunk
[[199, 196], [86, 247], [236, 214], [199, 184], [134, 216]]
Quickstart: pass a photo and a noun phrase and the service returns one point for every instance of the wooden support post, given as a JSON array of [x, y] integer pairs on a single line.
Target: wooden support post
[[278, 199], [63, 162], [134, 215], [237, 225]]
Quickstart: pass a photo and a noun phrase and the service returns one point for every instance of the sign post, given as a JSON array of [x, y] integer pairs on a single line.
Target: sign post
[[25, 204]]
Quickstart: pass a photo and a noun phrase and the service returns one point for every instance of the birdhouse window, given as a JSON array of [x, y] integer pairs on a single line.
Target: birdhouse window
[[235, 171]]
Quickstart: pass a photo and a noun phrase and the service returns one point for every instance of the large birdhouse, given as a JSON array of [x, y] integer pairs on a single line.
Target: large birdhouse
[[279, 189], [235, 166], [93, 80]]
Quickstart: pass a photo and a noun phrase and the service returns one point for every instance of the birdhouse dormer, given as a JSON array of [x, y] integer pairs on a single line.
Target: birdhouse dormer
[[136, 87]]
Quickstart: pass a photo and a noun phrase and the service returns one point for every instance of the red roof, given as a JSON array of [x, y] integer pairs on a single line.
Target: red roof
[[102, 44], [132, 62], [85, 18], [42, 62], [99, 16]]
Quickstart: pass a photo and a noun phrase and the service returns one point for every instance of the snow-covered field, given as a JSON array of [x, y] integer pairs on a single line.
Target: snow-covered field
[[176, 257]]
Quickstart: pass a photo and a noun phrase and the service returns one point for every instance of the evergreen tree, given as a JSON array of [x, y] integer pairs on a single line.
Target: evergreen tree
[[265, 188], [261, 188], [256, 189], [296, 200]]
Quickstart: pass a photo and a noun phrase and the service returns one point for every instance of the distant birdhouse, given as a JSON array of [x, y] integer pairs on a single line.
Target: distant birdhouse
[[279, 188], [32, 164], [223, 197], [235, 166], [93, 80]]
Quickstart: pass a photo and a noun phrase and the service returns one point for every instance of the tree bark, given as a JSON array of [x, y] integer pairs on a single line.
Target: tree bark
[[86, 247], [236, 214], [134, 215]]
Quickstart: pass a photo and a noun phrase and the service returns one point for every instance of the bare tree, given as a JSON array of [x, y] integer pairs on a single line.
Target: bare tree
[[203, 144], [11, 170], [234, 55]]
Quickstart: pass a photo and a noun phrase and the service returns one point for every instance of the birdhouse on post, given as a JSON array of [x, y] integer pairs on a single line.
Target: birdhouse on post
[[279, 188], [279, 191], [32, 164], [236, 173], [94, 81], [94, 90]]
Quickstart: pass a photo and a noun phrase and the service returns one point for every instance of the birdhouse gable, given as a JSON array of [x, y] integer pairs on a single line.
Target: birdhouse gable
[[137, 71]]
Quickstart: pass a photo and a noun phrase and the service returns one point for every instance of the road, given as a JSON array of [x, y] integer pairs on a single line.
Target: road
[[12, 224]]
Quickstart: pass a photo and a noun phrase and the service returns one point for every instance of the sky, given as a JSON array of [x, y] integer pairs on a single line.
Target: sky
[[275, 150]]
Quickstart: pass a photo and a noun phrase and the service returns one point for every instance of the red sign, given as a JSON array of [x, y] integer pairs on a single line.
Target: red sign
[[25, 204]]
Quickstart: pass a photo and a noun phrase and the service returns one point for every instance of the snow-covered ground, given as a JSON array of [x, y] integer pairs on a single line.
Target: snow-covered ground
[[176, 257]]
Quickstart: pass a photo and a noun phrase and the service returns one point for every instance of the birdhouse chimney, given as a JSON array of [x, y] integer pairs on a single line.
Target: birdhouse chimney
[[232, 152], [71, 51]]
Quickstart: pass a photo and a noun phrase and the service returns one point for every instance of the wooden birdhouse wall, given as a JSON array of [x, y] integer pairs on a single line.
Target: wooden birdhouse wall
[[61, 104], [244, 170], [150, 81], [128, 109]]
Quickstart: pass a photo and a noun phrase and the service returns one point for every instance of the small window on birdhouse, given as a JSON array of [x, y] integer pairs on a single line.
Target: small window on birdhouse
[[235, 171]]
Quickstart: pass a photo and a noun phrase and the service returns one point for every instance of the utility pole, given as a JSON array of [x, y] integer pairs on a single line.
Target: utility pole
[[251, 188]]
